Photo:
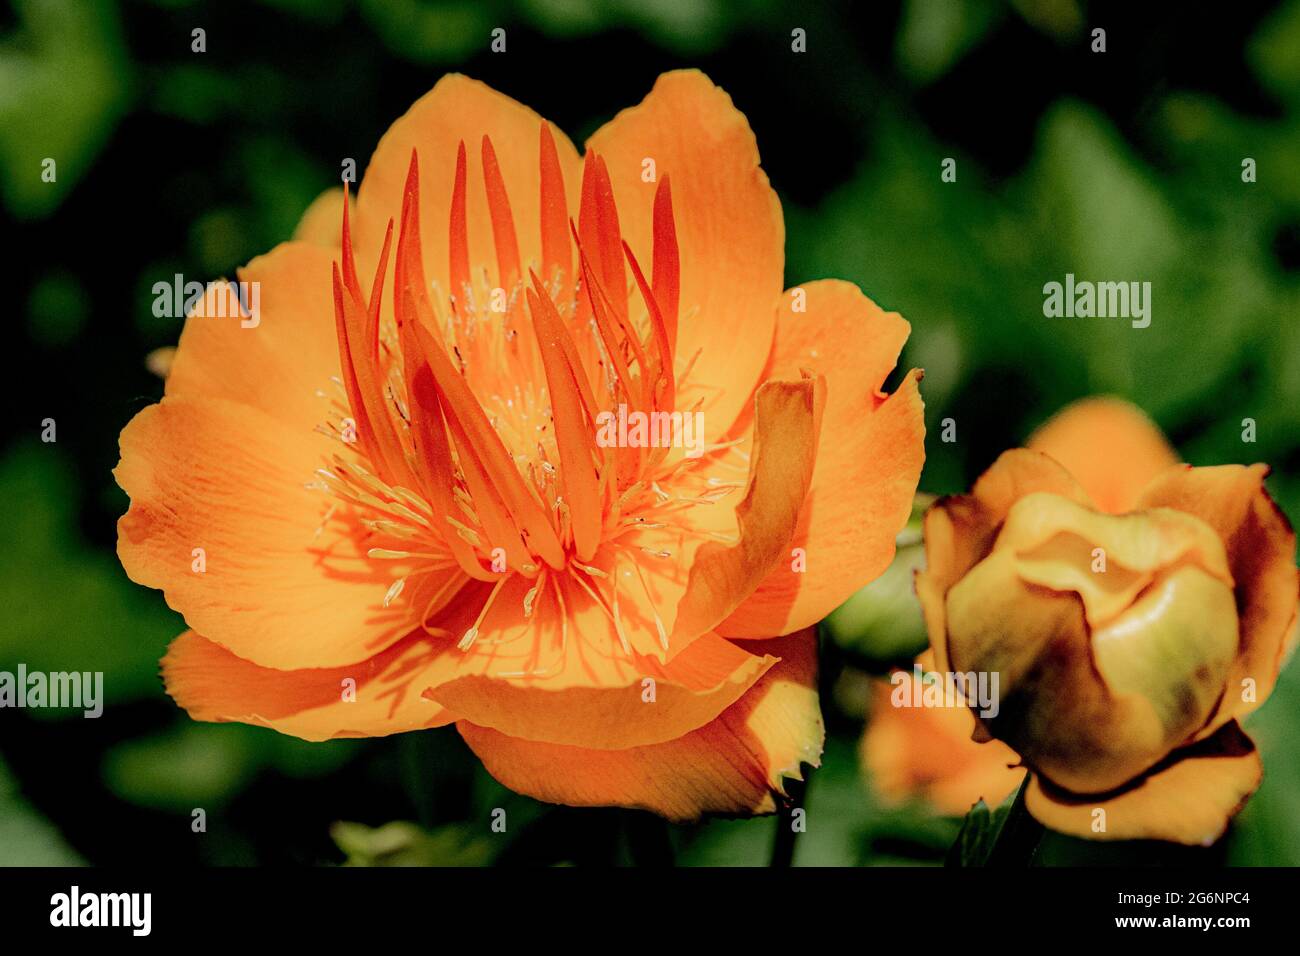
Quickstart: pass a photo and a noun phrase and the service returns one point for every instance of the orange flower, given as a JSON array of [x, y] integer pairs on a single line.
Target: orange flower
[[927, 752], [1134, 610], [407, 519]]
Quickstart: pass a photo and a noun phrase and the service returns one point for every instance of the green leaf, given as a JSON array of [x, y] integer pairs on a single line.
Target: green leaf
[[1007, 835], [405, 844], [64, 82], [69, 606], [1275, 51], [975, 839], [935, 34], [198, 764], [1267, 833], [26, 837]]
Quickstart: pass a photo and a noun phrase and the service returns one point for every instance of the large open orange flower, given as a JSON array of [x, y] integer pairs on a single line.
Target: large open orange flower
[[396, 483]]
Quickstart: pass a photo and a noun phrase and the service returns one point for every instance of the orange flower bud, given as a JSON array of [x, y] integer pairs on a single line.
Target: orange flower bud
[[1133, 609]]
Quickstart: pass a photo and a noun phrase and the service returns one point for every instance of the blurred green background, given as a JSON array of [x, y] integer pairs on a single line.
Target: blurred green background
[[1119, 165]]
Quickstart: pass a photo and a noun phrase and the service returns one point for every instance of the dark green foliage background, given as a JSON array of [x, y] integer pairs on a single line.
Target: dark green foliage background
[[1122, 165]]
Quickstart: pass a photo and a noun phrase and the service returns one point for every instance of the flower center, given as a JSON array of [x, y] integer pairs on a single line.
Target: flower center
[[471, 414]]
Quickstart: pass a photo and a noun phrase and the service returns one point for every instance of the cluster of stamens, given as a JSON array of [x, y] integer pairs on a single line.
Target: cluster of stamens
[[466, 419]]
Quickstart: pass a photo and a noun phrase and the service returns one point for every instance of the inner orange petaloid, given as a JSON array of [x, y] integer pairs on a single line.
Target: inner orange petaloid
[[528, 489]]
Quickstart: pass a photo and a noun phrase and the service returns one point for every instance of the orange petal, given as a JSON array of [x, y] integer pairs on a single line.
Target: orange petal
[[664, 386], [458, 267], [557, 256], [548, 633], [460, 110], [229, 479], [503, 223], [730, 233], [358, 341], [1053, 539], [707, 677], [280, 364], [570, 415], [667, 267], [1110, 446], [868, 460], [600, 234], [1189, 799], [787, 422], [736, 764], [213, 684], [928, 753], [1261, 548], [319, 224], [960, 529]]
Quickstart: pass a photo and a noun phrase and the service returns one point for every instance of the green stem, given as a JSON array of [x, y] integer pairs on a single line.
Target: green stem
[[1019, 837], [783, 842]]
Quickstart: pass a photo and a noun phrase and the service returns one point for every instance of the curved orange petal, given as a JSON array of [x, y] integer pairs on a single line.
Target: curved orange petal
[[1053, 540], [283, 363], [461, 110], [574, 668], [281, 585], [960, 529], [213, 684], [1110, 446], [736, 764], [787, 424], [706, 678], [730, 232], [320, 221], [1261, 547], [869, 457], [1189, 799]]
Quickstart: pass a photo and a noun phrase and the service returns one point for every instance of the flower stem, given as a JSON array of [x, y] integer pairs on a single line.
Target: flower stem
[[783, 842]]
